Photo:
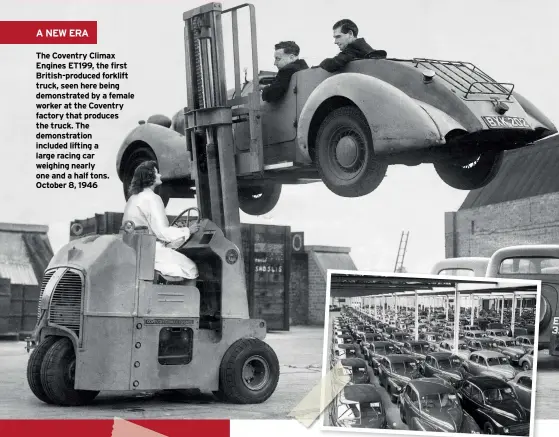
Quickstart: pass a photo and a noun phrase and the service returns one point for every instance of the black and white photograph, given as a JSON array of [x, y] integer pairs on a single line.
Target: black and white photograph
[[431, 353]]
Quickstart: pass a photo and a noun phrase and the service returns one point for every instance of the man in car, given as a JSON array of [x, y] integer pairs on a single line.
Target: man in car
[[288, 63], [351, 47]]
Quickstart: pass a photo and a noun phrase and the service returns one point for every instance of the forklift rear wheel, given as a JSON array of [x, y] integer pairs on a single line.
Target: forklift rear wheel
[[58, 375], [259, 200], [249, 372], [345, 156], [470, 173], [139, 155], [34, 368]]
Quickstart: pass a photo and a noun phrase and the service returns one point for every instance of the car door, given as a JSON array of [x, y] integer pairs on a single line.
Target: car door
[[429, 366], [472, 364], [523, 390], [476, 404]]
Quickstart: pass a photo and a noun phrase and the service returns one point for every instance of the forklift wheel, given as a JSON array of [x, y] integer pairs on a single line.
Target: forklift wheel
[[34, 368], [57, 375], [249, 372]]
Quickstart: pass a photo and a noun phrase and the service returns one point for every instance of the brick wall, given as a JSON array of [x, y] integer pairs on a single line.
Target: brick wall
[[317, 292], [481, 231], [299, 289]]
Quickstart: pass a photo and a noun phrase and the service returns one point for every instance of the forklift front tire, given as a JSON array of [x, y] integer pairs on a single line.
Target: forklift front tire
[[259, 200], [249, 372], [58, 375], [34, 368]]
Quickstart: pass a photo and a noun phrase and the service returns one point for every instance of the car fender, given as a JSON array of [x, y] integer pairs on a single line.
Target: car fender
[[397, 122], [536, 118], [168, 145], [419, 425]]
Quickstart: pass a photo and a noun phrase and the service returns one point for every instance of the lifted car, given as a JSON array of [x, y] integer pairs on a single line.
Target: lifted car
[[345, 128]]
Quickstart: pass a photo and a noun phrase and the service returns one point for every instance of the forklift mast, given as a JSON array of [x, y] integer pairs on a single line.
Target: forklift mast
[[209, 116]]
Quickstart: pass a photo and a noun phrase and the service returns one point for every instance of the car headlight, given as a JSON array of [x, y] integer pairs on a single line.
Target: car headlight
[[506, 430]]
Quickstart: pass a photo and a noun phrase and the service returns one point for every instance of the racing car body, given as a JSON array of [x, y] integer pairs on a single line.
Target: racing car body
[[345, 128]]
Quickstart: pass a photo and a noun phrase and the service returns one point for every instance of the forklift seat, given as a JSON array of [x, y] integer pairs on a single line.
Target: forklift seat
[[160, 278]]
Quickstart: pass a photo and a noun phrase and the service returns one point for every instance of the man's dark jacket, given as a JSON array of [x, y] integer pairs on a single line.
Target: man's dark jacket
[[358, 49], [276, 90]]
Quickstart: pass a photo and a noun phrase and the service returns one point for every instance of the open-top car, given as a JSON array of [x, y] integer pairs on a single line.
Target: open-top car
[[494, 406], [489, 363], [432, 404], [444, 365], [345, 128], [358, 406], [395, 371], [356, 369]]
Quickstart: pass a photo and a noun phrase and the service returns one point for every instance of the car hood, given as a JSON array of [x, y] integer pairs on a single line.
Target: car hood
[[451, 374], [504, 370], [449, 419], [515, 350], [508, 412]]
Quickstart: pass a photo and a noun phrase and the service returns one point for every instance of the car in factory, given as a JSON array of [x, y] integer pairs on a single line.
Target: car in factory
[[507, 346], [527, 360], [494, 406], [356, 369], [376, 351], [525, 341], [418, 349], [395, 371], [443, 365], [432, 404], [522, 386], [358, 406], [489, 363]]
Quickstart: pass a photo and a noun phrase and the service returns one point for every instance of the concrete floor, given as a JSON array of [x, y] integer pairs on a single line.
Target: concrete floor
[[299, 352]]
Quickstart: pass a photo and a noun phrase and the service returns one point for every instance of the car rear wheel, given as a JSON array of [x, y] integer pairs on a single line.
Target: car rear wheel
[[470, 173], [259, 200], [139, 155], [525, 366], [249, 372], [58, 375], [488, 428], [345, 155]]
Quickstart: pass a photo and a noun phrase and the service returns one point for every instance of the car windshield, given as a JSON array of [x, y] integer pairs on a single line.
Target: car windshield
[[438, 401], [404, 368], [497, 361], [452, 363], [417, 348], [499, 394], [509, 342], [384, 350], [462, 346]]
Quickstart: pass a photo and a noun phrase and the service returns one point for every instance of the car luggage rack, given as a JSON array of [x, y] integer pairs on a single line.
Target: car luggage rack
[[466, 77]]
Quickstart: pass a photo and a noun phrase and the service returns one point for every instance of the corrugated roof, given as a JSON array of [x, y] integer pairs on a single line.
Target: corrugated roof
[[24, 253], [336, 260], [18, 273], [526, 172]]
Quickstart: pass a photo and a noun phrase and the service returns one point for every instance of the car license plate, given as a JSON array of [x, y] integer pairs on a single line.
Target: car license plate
[[500, 121]]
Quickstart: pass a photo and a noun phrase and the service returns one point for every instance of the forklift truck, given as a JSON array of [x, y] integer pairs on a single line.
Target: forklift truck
[[108, 321]]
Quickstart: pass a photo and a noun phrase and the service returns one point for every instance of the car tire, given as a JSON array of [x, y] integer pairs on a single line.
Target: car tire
[[345, 156], [470, 175], [488, 428], [526, 366], [402, 416], [34, 368], [57, 375], [259, 200], [232, 380], [138, 156]]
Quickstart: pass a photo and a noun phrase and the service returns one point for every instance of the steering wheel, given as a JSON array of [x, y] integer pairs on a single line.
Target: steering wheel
[[187, 210], [197, 220]]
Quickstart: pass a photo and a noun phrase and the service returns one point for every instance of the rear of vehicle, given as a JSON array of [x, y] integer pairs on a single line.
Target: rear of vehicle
[[540, 263]]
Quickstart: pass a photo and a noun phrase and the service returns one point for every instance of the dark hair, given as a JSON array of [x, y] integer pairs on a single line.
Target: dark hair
[[289, 47], [144, 176], [346, 25]]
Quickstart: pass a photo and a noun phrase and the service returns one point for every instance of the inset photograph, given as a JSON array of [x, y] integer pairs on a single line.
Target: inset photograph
[[430, 353]]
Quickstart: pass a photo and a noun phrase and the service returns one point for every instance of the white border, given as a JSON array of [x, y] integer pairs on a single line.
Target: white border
[[472, 279]]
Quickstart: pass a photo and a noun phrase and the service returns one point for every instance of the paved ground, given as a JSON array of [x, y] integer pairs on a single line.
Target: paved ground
[[547, 383], [300, 356]]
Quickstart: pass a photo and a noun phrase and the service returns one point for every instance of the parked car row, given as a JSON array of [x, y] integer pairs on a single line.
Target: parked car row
[[434, 388]]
